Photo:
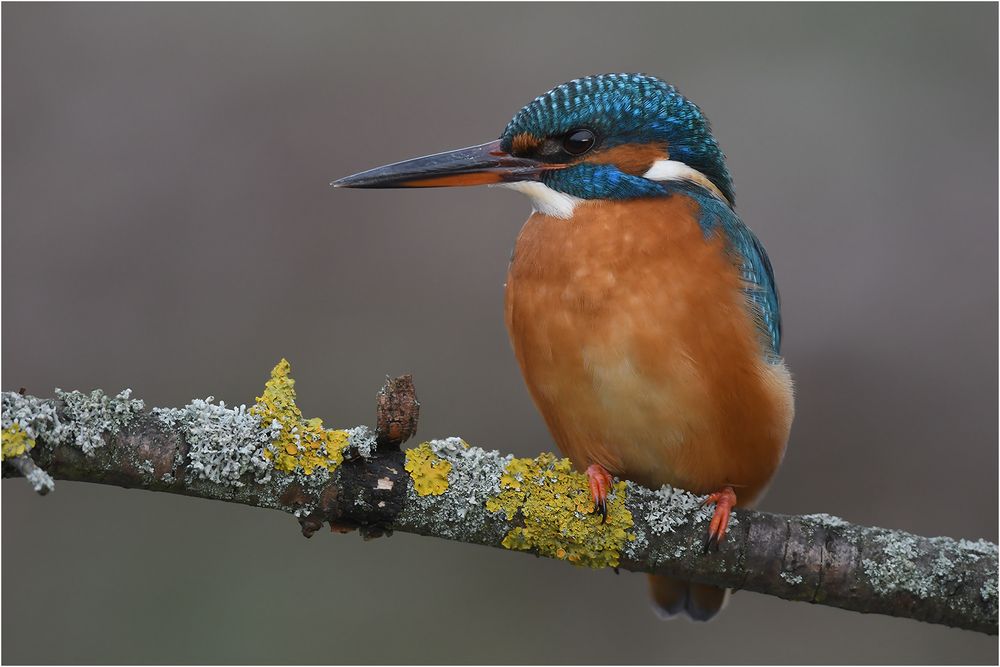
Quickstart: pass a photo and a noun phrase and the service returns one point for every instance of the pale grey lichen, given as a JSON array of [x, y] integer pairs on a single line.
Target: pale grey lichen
[[942, 566], [635, 547], [37, 418], [461, 510], [929, 567], [84, 421], [979, 547], [896, 569], [361, 442], [451, 447], [827, 520], [224, 443], [40, 480], [319, 478], [471, 490], [675, 508], [989, 591], [87, 417], [665, 511], [791, 578]]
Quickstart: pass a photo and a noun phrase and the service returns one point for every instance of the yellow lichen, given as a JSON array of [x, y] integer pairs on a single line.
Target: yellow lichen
[[14, 442], [428, 470], [302, 443], [559, 521]]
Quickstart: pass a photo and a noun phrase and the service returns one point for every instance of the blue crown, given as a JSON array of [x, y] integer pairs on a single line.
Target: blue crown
[[625, 109]]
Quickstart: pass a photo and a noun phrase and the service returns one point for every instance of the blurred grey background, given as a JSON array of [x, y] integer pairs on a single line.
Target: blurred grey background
[[167, 226]]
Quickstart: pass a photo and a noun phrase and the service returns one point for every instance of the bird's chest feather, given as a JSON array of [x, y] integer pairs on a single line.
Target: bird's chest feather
[[635, 341]]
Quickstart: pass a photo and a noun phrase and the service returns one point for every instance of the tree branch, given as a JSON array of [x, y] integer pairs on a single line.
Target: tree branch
[[269, 457]]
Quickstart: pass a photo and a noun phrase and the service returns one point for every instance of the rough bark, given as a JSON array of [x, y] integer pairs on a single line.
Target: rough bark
[[815, 558]]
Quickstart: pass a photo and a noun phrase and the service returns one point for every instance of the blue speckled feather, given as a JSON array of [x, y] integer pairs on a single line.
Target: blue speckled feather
[[755, 266]]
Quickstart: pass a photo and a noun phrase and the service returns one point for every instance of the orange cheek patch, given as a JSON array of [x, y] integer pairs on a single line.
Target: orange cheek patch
[[635, 159], [524, 143]]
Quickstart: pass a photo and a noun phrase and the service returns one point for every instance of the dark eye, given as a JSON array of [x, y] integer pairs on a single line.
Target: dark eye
[[578, 142]]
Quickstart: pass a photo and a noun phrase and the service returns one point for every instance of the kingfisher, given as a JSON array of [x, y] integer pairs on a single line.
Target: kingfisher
[[642, 311]]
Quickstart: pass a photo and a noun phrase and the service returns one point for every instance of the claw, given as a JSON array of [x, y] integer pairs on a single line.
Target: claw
[[601, 507], [600, 483], [724, 501]]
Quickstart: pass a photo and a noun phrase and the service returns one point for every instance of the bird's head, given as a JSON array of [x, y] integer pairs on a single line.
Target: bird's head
[[612, 136]]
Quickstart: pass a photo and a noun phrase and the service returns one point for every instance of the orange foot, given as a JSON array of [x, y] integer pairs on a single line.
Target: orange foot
[[724, 501], [600, 483]]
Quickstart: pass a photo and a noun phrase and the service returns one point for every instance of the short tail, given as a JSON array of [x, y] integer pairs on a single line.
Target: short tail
[[675, 596]]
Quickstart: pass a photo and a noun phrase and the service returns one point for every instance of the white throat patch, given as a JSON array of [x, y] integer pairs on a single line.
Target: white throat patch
[[544, 199], [671, 170]]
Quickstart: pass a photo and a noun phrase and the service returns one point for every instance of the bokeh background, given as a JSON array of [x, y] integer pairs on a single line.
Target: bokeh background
[[167, 226]]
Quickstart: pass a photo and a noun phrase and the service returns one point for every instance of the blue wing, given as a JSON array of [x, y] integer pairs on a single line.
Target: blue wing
[[755, 267]]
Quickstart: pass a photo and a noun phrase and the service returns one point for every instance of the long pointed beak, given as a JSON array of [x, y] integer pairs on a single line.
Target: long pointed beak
[[476, 165]]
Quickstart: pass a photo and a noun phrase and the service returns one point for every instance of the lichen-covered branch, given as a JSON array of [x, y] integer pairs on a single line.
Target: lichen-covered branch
[[270, 456]]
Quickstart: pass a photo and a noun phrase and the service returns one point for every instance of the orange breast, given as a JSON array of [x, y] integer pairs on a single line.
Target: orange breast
[[638, 349]]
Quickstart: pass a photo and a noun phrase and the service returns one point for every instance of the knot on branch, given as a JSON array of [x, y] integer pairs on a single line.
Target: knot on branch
[[397, 411]]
